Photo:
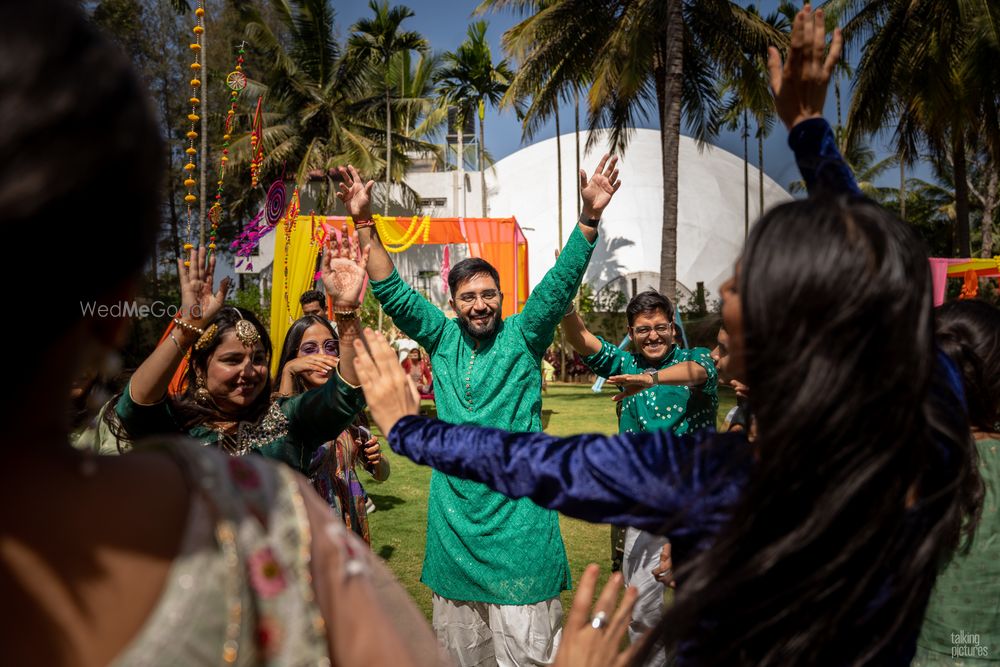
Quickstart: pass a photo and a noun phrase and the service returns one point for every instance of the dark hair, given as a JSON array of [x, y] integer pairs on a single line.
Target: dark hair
[[76, 135], [969, 333], [190, 412], [866, 466], [311, 296], [293, 339], [468, 269], [648, 302]]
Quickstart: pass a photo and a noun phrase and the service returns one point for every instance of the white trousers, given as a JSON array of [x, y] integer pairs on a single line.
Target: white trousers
[[477, 634], [642, 554]]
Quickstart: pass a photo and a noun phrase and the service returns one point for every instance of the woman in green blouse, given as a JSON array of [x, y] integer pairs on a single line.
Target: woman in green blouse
[[962, 625], [227, 398]]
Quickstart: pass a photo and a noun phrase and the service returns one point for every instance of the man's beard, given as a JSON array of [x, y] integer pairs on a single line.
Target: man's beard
[[483, 333]]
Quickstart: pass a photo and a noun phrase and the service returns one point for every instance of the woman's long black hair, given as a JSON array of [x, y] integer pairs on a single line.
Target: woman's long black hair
[[865, 467], [969, 332]]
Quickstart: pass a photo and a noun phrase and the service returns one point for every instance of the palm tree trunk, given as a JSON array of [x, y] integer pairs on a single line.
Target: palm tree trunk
[[388, 152], [760, 170], [989, 212], [668, 74], [562, 334], [576, 130], [460, 117], [961, 193], [746, 175], [902, 188], [482, 157]]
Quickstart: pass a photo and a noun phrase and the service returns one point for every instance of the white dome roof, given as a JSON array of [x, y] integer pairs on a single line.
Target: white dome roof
[[710, 209]]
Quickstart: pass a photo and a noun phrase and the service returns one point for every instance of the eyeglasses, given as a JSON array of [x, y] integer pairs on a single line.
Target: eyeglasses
[[329, 347], [486, 295], [661, 329]]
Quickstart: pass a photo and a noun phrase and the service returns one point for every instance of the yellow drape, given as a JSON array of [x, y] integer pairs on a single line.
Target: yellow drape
[[301, 269]]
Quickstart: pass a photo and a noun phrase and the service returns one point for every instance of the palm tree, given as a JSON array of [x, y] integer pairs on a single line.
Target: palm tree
[[747, 93], [379, 39], [928, 71], [469, 80], [319, 112], [640, 55]]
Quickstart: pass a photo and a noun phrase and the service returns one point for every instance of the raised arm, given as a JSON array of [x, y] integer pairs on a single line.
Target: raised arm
[[344, 278], [799, 86], [356, 195], [548, 301], [578, 336], [199, 303]]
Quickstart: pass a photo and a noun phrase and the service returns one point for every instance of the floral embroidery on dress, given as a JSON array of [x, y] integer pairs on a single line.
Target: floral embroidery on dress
[[266, 575], [243, 474]]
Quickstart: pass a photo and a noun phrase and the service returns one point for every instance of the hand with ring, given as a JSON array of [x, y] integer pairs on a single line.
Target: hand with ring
[[593, 639]]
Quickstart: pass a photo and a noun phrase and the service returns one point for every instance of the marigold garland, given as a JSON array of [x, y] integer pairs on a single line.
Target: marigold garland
[[190, 167], [397, 244]]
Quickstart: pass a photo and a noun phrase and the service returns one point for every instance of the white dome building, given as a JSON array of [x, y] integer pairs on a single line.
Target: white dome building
[[710, 225], [710, 212]]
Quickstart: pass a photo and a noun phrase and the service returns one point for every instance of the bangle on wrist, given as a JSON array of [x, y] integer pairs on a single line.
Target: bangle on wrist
[[570, 309], [346, 314], [653, 374], [180, 348], [364, 223], [186, 326], [587, 221]]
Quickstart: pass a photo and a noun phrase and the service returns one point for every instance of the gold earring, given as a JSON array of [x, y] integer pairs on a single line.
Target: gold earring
[[201, 391]]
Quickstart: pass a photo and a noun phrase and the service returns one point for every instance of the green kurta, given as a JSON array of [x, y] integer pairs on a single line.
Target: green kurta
[[483, 546], [674, 407], [962, 623], [290, 431]]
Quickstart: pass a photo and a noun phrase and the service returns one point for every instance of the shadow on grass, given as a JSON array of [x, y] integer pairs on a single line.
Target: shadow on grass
[[546, 416], [386, 551], [385, 503]]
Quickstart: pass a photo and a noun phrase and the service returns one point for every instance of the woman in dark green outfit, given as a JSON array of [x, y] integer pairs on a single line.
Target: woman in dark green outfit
[[227, 400], [962, 625]]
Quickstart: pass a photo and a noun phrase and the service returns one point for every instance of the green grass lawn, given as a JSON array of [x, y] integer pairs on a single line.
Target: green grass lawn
[[398, 526]]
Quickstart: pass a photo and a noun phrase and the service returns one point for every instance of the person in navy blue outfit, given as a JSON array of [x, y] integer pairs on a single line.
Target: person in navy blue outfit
[[818, 543]]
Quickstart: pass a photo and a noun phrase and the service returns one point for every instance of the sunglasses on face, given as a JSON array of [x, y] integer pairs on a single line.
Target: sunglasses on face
[[329, 347]]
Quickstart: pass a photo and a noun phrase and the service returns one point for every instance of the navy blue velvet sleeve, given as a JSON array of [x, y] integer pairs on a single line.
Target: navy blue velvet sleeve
[[682, 486], [820, 162]]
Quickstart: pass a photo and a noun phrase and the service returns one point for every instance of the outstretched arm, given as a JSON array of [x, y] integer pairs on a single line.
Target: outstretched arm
[[578, 336], [548, 301], [356, 195], [199, 303], [344, 278], [799, 86], [640, 480]]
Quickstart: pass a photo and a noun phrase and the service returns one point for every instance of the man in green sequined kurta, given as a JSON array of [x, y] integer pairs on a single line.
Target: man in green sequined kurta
[[496, 565]]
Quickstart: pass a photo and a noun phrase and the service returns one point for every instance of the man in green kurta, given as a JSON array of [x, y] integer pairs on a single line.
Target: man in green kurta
[[496, 565]]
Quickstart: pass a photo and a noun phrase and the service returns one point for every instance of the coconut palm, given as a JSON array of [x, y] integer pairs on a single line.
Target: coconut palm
[[642, 57], [319, 108], [469, 80], [380, 39], [928, 72]]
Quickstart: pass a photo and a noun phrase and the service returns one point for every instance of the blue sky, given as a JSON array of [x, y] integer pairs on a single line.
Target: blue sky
[[444, 23]]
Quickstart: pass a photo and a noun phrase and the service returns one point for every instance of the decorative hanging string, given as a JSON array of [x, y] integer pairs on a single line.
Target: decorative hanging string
[[189, 168], [236, 81], [394, 243], [256, 144]]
